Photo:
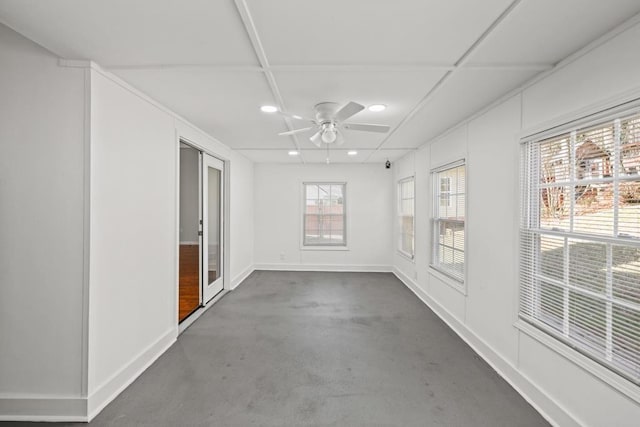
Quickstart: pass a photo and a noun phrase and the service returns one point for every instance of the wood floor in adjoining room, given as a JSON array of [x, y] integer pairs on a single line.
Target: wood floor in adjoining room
[[189, 281], [319, 349]]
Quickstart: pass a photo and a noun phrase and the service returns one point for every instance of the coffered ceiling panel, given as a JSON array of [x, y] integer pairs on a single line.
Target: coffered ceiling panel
[[335, 156], [463, 94], [215, 62], [224, 104], [140, 32], [547, 31], [270, 156], [381, 156], [398, 90], [371, 31]]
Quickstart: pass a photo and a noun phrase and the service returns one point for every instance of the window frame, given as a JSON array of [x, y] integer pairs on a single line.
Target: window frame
[[324, 246], [445, 192], [400, 215], [554, 339], [457, 282]]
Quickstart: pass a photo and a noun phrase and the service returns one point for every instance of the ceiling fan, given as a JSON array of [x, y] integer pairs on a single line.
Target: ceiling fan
[[329, 122]]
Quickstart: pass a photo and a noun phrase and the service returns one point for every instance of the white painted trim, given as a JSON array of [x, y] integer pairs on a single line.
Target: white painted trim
[[447, 280], [240, 278], [325, 248], [326, 67], [110, 389], [190, 243], [616, 382], [200, 311], [325, 267], [630, 23], [86, 231], [71, 409], [123, 84], [625, 103], [554, 413], [38, 408]]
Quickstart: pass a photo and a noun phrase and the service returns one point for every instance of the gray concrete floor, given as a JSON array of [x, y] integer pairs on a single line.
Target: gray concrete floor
[[319, 349]]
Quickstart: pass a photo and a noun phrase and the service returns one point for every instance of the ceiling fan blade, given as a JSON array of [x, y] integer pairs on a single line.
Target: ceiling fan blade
[[366, 127], [316, 139], [348, 110], [295, 116], [291, 132]]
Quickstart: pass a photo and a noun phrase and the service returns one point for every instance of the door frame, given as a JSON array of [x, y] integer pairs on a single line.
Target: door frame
[[207, 294], [189, 136]]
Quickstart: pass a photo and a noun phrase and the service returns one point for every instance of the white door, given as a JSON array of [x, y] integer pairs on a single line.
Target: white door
[[212, 226]]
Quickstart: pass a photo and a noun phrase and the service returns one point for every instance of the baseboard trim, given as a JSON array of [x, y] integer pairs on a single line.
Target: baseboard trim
[[36, 409], [326, 267], [111, 388], [555, 414], [236, 281]]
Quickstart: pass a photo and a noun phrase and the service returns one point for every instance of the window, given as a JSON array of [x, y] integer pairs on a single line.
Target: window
[[406, 214], [580, 240], [445, 191], [448, 229], [324, 214]]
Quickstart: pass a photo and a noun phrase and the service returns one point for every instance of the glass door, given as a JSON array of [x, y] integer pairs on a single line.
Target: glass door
[[190, 252], [212, 226]]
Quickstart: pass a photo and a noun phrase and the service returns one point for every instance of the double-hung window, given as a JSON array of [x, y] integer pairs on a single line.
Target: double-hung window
[[406, 214], [580, 239], [448, 230], [324, 214]]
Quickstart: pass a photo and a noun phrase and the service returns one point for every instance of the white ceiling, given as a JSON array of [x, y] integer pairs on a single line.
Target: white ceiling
[[432, 62]]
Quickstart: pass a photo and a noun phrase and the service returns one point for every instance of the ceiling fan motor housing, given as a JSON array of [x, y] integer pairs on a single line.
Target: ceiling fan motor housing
[[326, 112]]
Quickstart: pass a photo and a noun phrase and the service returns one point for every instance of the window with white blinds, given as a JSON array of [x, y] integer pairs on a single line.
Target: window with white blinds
[[580, 240], [448, 229], [406, 216], [324, 214]]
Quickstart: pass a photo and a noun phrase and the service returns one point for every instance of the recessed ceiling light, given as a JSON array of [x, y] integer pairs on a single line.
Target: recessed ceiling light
[[268, 109], [295, 116], [377, 107], [293, 153], [352, 153]]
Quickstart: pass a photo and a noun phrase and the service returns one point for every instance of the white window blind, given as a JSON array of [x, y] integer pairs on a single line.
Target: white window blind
[[580, 240], [324, 214], [448, 229], [406, 214]]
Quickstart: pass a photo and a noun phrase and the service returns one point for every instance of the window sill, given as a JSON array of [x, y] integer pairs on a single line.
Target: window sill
[[592, 367], [324, 248], [448, 280], [406, 255]]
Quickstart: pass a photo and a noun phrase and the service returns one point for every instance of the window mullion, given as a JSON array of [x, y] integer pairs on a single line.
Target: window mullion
[[616, 174], [616, 203], [565, 295], [572, 178], [609, 305]]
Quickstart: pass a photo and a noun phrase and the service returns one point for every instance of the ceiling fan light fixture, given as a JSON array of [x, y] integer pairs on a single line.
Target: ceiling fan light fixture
[[329, 136], [268, 109], [376, 108]]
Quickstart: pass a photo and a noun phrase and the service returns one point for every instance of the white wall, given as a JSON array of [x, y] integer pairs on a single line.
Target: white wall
[[485, 316], [89, 231], [133, 220], [133, 252], [41, 226], [278, 217]]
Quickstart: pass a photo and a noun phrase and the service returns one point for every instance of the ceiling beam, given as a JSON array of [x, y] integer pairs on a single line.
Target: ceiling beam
[[252, 32], [458, 65], [334, 67]]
